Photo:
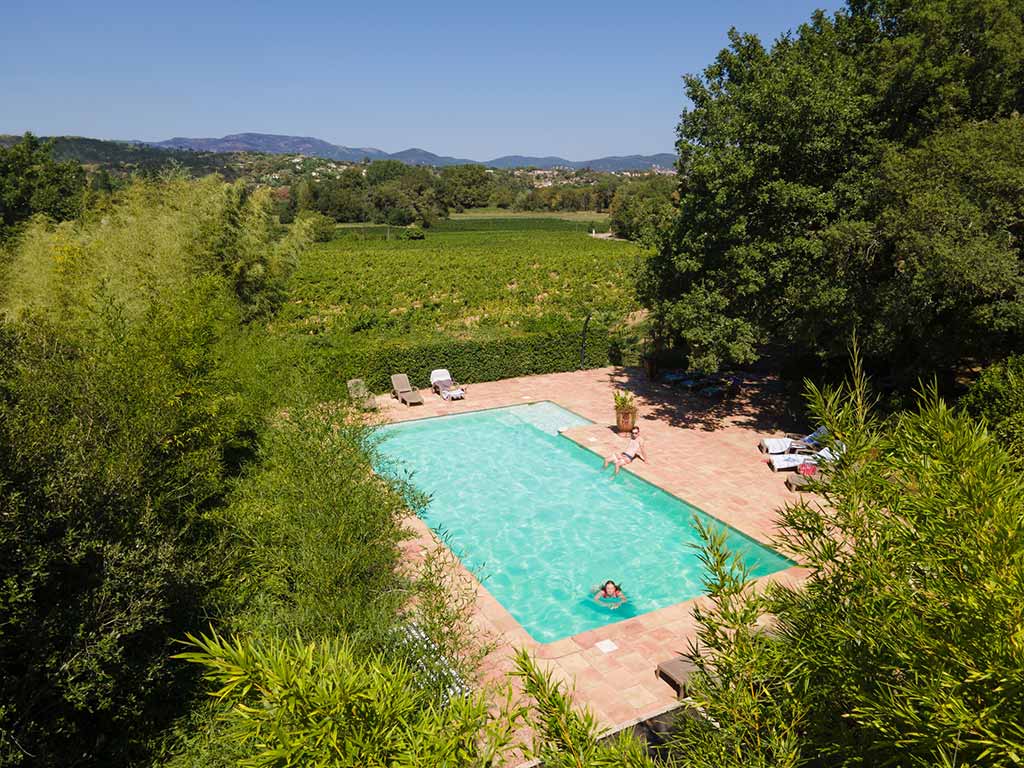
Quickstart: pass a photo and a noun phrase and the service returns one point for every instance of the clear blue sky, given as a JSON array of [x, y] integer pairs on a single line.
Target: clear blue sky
[[575, 79]]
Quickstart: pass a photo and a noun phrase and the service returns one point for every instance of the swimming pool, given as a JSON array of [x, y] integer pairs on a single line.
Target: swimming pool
[[532, 515]]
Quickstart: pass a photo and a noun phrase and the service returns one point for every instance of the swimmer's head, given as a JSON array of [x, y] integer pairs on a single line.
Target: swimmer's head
[[610, 587]]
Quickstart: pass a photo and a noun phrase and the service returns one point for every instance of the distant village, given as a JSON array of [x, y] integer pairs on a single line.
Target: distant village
[[286, 170]]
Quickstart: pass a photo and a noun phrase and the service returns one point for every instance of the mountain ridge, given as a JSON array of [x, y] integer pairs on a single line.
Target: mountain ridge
[[282, 144]]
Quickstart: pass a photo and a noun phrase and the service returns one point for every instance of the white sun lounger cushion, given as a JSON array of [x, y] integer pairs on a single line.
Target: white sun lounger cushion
[[440, 374], [776, 444], [794, 460]]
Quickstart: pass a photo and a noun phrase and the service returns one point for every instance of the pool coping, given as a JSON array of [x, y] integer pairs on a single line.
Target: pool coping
[[575, 439], [469, 411]]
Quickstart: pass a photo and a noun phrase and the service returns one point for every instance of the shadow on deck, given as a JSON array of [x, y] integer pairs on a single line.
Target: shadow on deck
[[759, 403]]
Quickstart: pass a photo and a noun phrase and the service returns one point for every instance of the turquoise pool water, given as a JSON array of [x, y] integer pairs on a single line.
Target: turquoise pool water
[[531, 513]]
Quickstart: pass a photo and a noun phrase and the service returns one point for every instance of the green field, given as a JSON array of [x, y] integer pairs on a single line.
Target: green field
[[598, 218], [467, 276], [472, 281]]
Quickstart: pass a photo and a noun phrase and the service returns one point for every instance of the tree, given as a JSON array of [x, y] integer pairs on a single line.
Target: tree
[[342, 200], [466, 186], [382, 171], [935, 64], [932, 270], [797, 165], [643, 210], [32, 182], [304, 195], [391, 205]]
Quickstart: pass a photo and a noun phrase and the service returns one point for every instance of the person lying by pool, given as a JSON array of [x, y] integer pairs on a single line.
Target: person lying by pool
[[634, 449], [610, 591]]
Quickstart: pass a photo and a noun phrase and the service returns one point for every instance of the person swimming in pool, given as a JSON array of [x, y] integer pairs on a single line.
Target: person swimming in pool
[[610, 591], [634, 449]]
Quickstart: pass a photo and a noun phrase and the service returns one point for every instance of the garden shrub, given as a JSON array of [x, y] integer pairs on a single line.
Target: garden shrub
[[905, 644], [998, 397], [120, 429], [469, 360], [317, 531], [324, 703], [322, 228]]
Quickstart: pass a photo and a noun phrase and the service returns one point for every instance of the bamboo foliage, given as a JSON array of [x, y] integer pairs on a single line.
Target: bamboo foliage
[[296, 703]]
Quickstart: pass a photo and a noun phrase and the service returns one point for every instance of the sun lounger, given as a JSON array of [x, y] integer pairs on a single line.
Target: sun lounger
[[360, 395], [790, 461], [677, 673], [443, 384], [798, 482], [430, 662], [791, 443], [806, 483], [690, 380], [402, 389]]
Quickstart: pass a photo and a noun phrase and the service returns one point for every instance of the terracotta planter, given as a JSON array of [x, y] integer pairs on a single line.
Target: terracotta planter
[[625, 420]]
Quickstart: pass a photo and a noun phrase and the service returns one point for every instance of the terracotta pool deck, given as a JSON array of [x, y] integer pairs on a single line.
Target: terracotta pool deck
[[704, 453]]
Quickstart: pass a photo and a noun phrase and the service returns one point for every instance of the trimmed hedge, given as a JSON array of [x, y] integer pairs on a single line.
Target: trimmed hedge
[[469, 360]]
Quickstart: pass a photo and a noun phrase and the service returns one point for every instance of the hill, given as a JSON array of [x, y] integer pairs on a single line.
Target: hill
[[303, 145], [273, 144], [126, 157]]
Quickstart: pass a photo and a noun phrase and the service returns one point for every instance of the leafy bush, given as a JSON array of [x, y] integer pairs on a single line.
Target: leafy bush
[[312, 550], [998, 398], [287, 702], [317, 532], [321, 228], [904, 646], [113, 440], [322, 703], [471, 360], [119, 432], [411, 233]]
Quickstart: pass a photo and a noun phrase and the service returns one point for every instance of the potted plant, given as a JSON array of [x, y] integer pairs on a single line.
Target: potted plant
[[625, 411]]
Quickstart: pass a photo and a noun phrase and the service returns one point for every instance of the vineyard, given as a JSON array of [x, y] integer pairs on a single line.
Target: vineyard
[[470, 286]]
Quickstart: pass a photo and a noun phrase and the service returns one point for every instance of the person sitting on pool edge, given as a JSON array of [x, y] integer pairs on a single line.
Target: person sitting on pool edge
[[610, 591], [634, 448]]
